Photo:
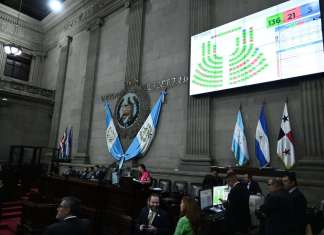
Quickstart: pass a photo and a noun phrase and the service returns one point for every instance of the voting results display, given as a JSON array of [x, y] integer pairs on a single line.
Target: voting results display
[[280, 42]]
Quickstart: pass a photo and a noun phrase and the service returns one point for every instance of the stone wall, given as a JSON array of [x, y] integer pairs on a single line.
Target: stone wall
[[23, 122], [95, 47], [195, 132]]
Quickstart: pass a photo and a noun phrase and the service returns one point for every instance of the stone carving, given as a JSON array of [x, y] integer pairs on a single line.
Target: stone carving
[[80, 20], [153, 86], [25, 33], [131, 111]]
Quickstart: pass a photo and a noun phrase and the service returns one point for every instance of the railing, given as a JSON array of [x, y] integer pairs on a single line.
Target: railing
[[27, 90], [35, 155]]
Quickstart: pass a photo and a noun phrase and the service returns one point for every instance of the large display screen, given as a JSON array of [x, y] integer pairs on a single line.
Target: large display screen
[[280, 42]]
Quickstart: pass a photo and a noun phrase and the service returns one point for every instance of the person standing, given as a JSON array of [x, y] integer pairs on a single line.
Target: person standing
[[237, 212], [212, 179], [189, 222], [277, 209], [144, 175], [251, 185], [299, 203]]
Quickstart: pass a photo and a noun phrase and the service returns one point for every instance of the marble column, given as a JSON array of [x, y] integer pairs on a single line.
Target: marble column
[[82, 155], [313, 119], [36, 70], [134, 47], [59, 91], [3, 58], [197, 156]]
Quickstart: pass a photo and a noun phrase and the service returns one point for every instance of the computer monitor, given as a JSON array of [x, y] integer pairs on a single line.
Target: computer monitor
[[206, 198], [220, 192]]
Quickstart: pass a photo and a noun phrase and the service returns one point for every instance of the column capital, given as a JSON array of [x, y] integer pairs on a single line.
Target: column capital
[[65, 41], [95, 24], [129, 3]]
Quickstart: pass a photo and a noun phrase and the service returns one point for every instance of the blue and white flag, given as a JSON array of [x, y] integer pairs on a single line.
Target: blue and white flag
[[239, 145], [262, 141], [114, 146], [68, 144], [146, 134]]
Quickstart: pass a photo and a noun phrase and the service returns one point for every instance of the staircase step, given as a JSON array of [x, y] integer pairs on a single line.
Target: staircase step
[[6, 232], [14, 214], [12, 203], [3, 226], [11, 209], [9, 224]]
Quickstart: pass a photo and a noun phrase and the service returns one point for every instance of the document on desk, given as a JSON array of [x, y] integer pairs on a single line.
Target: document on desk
[[136, 180], [216, 209]]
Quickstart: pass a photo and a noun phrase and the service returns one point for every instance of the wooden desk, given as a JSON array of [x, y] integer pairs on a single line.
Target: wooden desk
[[112, 209]]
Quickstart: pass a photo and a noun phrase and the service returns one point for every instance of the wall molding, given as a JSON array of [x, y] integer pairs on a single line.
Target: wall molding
[[29, 91]]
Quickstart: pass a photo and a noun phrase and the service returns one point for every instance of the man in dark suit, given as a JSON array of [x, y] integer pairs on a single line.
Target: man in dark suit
[[251, 185], [276, 210], [237, 212], [212, 180], [299, 204], [69, 223], [152, 219]]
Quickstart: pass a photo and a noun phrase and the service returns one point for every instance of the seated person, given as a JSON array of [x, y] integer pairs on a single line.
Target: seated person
[[90, 174], [212, 180], [68, 171], [68, 221], [144, 175], [251, 185], [100, 173], [152, 220], [189, 221], [84, 173]]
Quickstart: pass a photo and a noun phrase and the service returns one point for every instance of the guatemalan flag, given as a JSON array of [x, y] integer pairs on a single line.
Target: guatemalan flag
[[239, 145], [114, 146], [262, 141], [146, 134]]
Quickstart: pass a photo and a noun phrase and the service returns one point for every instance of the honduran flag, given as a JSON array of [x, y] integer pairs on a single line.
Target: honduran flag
[[285, 146], [114, 146], [239, 145], [144, 137], [262, 141]]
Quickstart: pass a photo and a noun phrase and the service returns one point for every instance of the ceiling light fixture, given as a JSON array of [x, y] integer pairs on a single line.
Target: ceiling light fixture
[[11, 48], [55, 5]]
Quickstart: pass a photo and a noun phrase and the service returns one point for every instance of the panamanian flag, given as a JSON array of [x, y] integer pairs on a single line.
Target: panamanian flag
[[145, 136], [285, 146], [239, 144], [262, 140], [113, 143]]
